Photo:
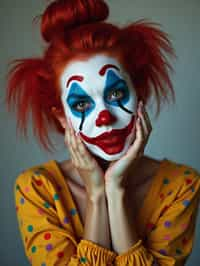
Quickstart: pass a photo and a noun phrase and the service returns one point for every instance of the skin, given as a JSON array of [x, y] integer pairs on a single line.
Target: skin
[[116, 178]]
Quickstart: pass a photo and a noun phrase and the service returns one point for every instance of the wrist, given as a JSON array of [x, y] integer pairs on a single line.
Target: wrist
[[95, 195], [115, 192]]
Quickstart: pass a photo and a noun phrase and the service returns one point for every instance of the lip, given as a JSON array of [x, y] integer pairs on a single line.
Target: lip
[[111, 142]]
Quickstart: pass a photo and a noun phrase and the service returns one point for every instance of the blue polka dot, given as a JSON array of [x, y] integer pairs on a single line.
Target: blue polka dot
[[30, 228], [186, 203], [192, 189], [163, 251], [56, 197], [37, 172], [46, 205], [66, 220], [166, 181], [22, 200], [83, 259], [33, 249], [17, 187], [43, 264], [178, 251], [73, 212], [187, 172]]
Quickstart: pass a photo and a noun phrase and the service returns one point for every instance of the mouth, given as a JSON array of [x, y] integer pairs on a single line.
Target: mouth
[[111, 142]]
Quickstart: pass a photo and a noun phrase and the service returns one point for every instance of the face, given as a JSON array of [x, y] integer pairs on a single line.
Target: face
[[98, 97]]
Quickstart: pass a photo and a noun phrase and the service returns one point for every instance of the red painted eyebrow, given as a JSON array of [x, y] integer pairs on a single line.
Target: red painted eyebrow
[[78, 78], [104, 68]]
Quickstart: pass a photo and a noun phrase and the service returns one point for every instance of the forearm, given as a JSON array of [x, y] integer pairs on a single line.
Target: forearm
[[96, 226], [121, 218]]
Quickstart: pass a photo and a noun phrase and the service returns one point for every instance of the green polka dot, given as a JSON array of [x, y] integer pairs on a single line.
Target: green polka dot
[[178, 251], [37, 172], [46, 205], [17, 187], [83, 259], [30, 228], [165, 181], [33, 249], [56, 197], [187, 172]]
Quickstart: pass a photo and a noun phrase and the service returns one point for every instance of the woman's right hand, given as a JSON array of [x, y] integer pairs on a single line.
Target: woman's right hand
[[86, 165]]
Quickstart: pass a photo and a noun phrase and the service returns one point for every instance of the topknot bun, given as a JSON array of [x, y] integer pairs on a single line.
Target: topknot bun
[[63, 15]]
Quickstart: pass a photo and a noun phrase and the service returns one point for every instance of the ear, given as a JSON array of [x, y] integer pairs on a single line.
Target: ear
[[60, 116]]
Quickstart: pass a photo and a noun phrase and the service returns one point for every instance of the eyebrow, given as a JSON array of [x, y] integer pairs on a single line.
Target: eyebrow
[[102, 71], [77, 78]]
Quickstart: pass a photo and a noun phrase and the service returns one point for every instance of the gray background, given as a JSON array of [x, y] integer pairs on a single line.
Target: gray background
[[175, 133]]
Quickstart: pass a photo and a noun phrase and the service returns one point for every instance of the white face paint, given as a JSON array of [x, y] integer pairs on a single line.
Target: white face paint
[[98, 97]]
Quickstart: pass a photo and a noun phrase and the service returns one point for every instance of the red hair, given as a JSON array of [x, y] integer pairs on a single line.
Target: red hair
[[75, 29]]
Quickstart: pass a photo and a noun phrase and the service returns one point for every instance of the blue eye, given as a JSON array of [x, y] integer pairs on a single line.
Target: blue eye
[[81, 106]]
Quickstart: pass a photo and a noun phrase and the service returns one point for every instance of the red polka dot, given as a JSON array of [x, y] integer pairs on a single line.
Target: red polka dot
[[60, 254], [38, 182], [150, 226], [162, 195], [17, 208], [184, 241], [188, 181], [47, 236]]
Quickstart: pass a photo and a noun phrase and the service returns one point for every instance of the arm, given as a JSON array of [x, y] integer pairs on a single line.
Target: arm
[[47, 238], [124, 229], [169, 243], [96, 223]]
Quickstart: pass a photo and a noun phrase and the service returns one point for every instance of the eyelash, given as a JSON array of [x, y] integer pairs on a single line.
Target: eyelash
[[117, 90]]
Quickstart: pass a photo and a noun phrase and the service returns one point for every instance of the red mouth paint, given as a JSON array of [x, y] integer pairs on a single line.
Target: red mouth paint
[[111, 142]]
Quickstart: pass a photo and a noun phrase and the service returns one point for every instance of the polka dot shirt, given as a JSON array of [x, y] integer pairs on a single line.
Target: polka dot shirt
[[52, 232]]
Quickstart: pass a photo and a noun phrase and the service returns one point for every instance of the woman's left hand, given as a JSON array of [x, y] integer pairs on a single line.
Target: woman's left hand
[[115, 175]]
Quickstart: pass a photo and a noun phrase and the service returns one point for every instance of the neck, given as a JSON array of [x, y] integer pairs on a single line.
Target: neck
[[104, 164]]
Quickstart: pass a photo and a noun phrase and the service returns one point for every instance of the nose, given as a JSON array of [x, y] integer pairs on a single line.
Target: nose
[[105, 118]]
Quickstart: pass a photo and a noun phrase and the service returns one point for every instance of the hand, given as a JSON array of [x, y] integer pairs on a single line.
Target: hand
[[117, 171], [85, 164]]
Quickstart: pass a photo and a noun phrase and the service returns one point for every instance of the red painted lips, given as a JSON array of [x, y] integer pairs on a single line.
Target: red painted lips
[[111, 142]]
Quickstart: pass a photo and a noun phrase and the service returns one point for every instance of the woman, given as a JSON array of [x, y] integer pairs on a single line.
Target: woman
[[109, 204]]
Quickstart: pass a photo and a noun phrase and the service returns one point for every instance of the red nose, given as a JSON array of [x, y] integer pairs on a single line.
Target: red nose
[[105, 118]]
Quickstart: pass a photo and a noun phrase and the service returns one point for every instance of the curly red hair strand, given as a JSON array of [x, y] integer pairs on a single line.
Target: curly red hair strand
[[75, 30]]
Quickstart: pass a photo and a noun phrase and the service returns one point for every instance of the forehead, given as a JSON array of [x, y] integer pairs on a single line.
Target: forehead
[[90, 69]]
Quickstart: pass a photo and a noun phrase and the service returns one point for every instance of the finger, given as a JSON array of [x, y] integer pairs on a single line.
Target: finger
[[143, 123], [137, 146], [73, 145], [84, 156], [148, 121]]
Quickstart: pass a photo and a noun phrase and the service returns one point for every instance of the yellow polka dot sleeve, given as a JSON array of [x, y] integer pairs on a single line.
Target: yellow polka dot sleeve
[[47, 234], [170, 239]]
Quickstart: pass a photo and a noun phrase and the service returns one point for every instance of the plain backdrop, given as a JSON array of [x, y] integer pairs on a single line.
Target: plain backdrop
[[175, 134]]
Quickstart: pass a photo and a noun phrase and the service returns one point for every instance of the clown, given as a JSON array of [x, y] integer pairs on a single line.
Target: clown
[[100, 77], [97, 97]]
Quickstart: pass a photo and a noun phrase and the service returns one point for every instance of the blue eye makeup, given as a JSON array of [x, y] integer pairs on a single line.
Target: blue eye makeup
[[79, 101], [116, 91]]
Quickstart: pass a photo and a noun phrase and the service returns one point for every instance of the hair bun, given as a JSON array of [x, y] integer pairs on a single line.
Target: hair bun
[[63, 15]]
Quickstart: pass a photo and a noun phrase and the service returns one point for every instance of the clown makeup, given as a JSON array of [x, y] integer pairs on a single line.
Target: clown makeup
[[98, 98]]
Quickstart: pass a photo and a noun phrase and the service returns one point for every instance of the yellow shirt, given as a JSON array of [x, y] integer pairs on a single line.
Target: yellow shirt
[[52, 231]]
